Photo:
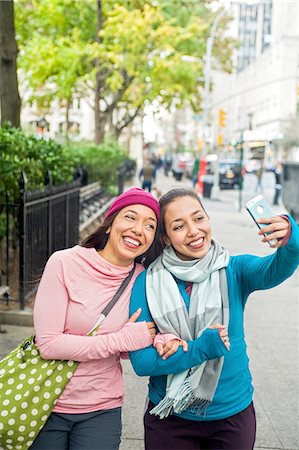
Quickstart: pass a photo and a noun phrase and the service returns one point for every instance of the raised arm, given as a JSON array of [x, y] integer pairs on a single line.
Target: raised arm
[[258, 273]]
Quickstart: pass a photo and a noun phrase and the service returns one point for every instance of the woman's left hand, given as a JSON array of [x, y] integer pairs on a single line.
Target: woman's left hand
[[166, 350], [277, 227]]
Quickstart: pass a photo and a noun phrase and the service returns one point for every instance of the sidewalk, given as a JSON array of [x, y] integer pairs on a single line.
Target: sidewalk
[[271, 334], [271, 321]]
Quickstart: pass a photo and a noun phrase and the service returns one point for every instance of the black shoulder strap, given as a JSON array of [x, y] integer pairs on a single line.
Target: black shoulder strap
[[120, 290]]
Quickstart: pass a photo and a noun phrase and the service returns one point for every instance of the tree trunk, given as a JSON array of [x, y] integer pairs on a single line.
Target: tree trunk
[[110, 121], [9, 93], [99, 127], [67, 121]]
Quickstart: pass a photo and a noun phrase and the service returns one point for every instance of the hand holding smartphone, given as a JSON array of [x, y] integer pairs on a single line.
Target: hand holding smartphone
[[258, 208]]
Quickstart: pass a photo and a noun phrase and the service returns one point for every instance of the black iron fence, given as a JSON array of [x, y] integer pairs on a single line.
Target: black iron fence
[[45, 221], [5, 212], [48, 221], [42, 222]]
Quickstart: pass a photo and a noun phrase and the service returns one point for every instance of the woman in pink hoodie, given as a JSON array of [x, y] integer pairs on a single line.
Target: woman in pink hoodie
[[76, 285]]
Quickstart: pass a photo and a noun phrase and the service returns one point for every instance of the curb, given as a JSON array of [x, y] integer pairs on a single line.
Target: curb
[[17, 317]]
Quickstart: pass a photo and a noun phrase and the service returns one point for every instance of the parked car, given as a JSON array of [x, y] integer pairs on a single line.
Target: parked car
[[229, 174]]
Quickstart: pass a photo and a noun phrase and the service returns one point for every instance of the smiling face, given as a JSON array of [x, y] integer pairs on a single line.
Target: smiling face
[[130, 235], [188, 228]]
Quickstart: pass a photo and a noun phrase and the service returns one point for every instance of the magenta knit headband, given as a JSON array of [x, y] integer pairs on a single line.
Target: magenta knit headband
[[134, 196]]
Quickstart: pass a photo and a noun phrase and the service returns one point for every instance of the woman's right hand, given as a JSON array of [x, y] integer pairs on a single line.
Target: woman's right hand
[[150, 325], [223, 333], [171, 347]]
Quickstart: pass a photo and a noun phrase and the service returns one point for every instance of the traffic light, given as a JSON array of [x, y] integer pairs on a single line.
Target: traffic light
[[222, 118], [200, 144], [219, 139]]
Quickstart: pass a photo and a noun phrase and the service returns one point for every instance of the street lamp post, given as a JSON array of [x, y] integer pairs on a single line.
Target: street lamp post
[[206, 103], [206, 98]]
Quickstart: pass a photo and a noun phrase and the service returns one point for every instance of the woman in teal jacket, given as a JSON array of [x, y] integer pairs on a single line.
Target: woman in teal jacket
[[192, 292]]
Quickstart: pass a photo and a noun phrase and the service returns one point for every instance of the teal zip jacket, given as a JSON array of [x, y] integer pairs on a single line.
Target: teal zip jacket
[[245, 274]]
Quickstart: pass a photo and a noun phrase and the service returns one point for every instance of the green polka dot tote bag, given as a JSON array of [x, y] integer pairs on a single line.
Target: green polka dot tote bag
[[30, 386]]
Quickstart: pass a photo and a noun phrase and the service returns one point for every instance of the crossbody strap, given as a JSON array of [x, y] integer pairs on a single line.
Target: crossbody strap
[[112, 302]]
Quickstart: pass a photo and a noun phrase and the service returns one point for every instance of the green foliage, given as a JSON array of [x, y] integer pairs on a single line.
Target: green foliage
[[100, 161], [137, 56], [19, 152], [53, 38], [33, 156]]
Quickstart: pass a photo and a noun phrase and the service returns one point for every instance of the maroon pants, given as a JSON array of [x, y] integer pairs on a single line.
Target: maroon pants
[[174, 433]]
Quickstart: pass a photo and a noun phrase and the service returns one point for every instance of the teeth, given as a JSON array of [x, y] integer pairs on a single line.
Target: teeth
[[199, 241], [132, 241]]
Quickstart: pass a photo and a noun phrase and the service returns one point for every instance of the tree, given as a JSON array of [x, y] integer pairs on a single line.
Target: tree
[[9, 94], [141, 51], [121, 54], [53, 38]]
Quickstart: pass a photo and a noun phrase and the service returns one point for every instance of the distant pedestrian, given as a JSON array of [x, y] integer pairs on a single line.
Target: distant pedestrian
[[259, 175], [159, 162], [278, 174], [147, 174], [77, 284], [195, 172], [168, 161], [197, 292]]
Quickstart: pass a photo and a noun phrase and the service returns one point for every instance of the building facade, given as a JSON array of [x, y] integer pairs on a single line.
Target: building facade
[[260, 97]]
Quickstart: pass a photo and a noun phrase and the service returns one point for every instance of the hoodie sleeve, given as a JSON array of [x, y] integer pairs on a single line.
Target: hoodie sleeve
[[49, 316], [148, 362]]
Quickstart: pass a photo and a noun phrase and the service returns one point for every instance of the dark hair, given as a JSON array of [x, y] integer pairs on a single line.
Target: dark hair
[[98, 240], [168, 198]]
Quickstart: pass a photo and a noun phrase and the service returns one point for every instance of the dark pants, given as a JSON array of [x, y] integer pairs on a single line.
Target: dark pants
[[174, 433], [98, 430], [147, 185], [277, 194]]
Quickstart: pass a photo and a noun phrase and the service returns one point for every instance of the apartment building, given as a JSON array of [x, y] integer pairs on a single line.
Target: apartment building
[[260, 97]]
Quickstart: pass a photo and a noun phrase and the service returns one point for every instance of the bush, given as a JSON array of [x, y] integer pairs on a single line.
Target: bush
[[19, 152], [100, 161]]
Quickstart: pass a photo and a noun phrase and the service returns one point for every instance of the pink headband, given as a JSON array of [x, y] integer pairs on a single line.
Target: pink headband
[[134, 196]]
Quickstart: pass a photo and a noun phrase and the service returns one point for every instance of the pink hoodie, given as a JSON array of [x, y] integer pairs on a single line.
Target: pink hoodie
[[76, 285]]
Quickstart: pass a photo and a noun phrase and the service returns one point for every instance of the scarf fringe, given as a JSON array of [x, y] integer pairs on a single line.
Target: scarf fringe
[[185, 399]]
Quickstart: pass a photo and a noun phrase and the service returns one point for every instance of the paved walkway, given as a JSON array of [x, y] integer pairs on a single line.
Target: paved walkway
[[271, 334]]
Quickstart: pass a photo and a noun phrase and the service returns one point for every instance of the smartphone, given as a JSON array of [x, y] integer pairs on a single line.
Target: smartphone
[[259, 208]]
